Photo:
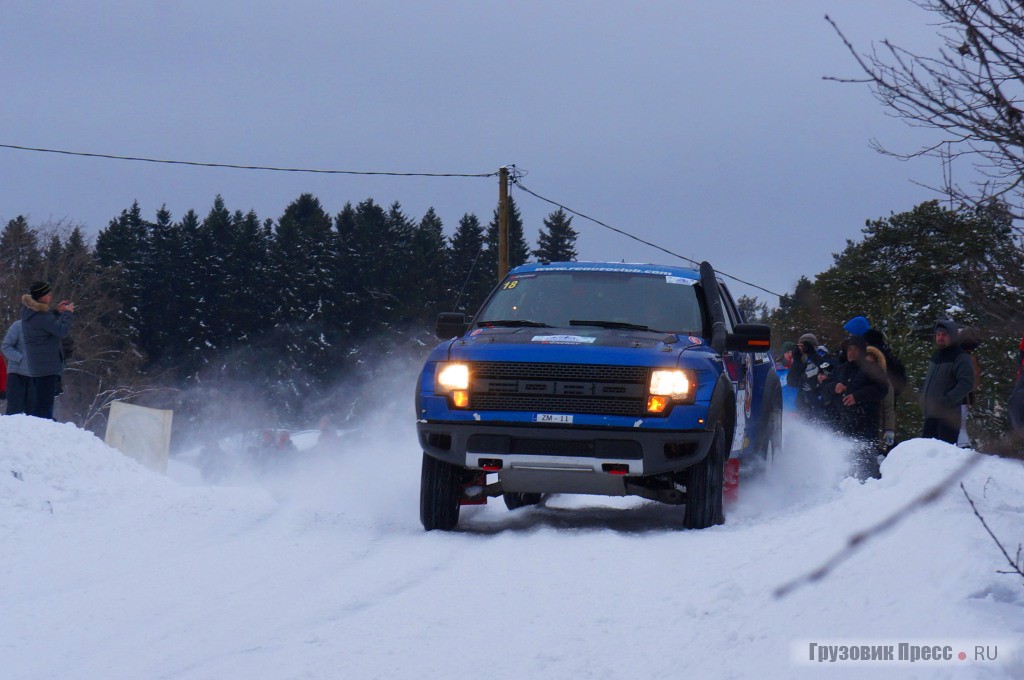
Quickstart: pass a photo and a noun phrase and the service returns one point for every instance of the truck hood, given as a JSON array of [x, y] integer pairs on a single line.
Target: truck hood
[[576, 344]]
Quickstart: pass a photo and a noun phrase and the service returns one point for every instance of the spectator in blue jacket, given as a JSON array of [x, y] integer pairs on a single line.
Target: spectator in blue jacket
[[43, 331], [13, 349]]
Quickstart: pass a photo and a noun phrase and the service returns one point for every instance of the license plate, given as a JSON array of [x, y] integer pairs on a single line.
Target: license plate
[[552, 418]]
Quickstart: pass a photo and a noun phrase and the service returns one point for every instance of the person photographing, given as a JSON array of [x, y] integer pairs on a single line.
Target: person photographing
[[43, 330]]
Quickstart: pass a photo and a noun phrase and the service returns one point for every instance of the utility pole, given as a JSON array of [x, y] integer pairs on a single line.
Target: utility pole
[[502, 223]]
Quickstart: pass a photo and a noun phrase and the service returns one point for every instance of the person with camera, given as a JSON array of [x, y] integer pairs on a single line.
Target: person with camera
[[858, 387], [805, 375], [43, 330]]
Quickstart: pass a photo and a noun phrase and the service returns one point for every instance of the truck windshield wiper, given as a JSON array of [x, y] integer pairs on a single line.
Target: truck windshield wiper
[[611, 324], [513, 323]]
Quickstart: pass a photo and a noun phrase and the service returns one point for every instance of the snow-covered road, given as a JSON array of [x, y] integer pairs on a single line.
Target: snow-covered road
[[110, 571]]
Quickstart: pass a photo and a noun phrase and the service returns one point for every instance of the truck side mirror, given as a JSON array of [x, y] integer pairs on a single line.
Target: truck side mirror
[[451, 325], [749, 337]]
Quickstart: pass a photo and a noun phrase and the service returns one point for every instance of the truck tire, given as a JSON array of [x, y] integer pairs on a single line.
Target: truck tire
[[704, 485], [440, 493], [770, 436], [520, 499]]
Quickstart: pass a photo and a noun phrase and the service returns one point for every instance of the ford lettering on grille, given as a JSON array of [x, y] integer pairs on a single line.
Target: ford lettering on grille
[[546, 388]]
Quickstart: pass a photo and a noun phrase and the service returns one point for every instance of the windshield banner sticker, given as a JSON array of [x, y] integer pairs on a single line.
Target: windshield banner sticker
[[680, 281], [563, 339]]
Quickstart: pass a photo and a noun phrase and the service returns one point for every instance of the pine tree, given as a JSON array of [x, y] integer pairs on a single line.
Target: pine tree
[[20, 264], [301, 267], [399, 291], [80, 264], [161, 305], [367, 267], [429, 266], [752, 310], [186, 340], [52, 256], [248, 276], [215, 241], [558, 243], [120, 251], [468, 276]]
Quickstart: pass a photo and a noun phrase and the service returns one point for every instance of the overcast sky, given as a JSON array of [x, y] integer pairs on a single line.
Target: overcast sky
[[705, 127]]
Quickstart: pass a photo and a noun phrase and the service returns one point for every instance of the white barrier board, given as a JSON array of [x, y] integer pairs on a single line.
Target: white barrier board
[[141, 433]]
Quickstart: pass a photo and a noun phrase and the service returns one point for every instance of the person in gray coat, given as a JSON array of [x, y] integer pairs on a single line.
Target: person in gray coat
[[13, 349], [43, 331], [950, 378]]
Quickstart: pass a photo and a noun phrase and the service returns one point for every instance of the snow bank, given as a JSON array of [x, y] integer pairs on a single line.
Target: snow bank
[[109, 570]]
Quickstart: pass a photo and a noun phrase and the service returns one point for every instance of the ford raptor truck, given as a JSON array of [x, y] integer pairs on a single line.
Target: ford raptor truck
[[596, 378]]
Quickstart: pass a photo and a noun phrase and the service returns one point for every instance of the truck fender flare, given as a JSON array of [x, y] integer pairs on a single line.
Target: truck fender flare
[[723, 407], [771, 393]]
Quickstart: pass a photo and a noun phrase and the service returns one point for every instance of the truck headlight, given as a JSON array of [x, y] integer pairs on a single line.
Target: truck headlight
[[452, 377], [670, 385], [453, 380]]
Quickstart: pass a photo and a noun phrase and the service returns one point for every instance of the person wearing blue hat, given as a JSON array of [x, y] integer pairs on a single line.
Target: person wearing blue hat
[[857, 326]]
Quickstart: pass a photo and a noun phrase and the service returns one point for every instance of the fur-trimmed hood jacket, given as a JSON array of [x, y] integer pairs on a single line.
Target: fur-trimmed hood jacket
[[42, 331]]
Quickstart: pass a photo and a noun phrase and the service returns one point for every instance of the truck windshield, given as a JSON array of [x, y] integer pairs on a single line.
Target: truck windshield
[[606, 299]]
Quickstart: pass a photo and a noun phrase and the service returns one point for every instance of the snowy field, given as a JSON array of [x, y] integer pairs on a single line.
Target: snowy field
[[109, 571]]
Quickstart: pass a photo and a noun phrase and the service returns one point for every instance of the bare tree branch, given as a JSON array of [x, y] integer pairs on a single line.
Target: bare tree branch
[[1015, 565], [971, 91]]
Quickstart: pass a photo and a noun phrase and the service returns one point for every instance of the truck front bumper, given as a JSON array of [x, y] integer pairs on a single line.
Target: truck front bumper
[[529, 447]]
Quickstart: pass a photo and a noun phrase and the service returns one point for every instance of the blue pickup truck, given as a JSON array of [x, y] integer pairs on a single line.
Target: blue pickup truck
[[596, 378]]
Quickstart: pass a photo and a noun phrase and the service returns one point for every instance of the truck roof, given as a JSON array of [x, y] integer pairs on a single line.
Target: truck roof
[[630, 267]]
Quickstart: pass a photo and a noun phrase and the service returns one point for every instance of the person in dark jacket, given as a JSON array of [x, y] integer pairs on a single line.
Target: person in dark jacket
[[785, 360], [43, 331], [949, 380], [858, 387], [803, 375], [893, 366], [13, 349]]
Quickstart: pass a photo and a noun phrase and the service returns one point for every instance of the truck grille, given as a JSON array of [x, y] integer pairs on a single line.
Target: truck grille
[[559, 388]]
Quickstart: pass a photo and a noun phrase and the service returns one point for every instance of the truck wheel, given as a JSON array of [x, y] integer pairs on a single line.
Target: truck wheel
[[520, 499], [704, 484], [440, 493], [771, 445]]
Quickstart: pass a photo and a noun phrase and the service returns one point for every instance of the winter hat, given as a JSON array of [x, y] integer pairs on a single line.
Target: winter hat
[[858, 325], [789, 346], [857, 341], [808, 337], [39, 289], [970, 338], [875, 337], [949, 326]]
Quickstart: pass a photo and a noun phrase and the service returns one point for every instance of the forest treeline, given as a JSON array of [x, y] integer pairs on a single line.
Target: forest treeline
[[230, 314], [200, 312]]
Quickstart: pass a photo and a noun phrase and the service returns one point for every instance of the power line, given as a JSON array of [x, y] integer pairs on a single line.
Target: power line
[[246, 167], [516, 176], [516, 181]]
